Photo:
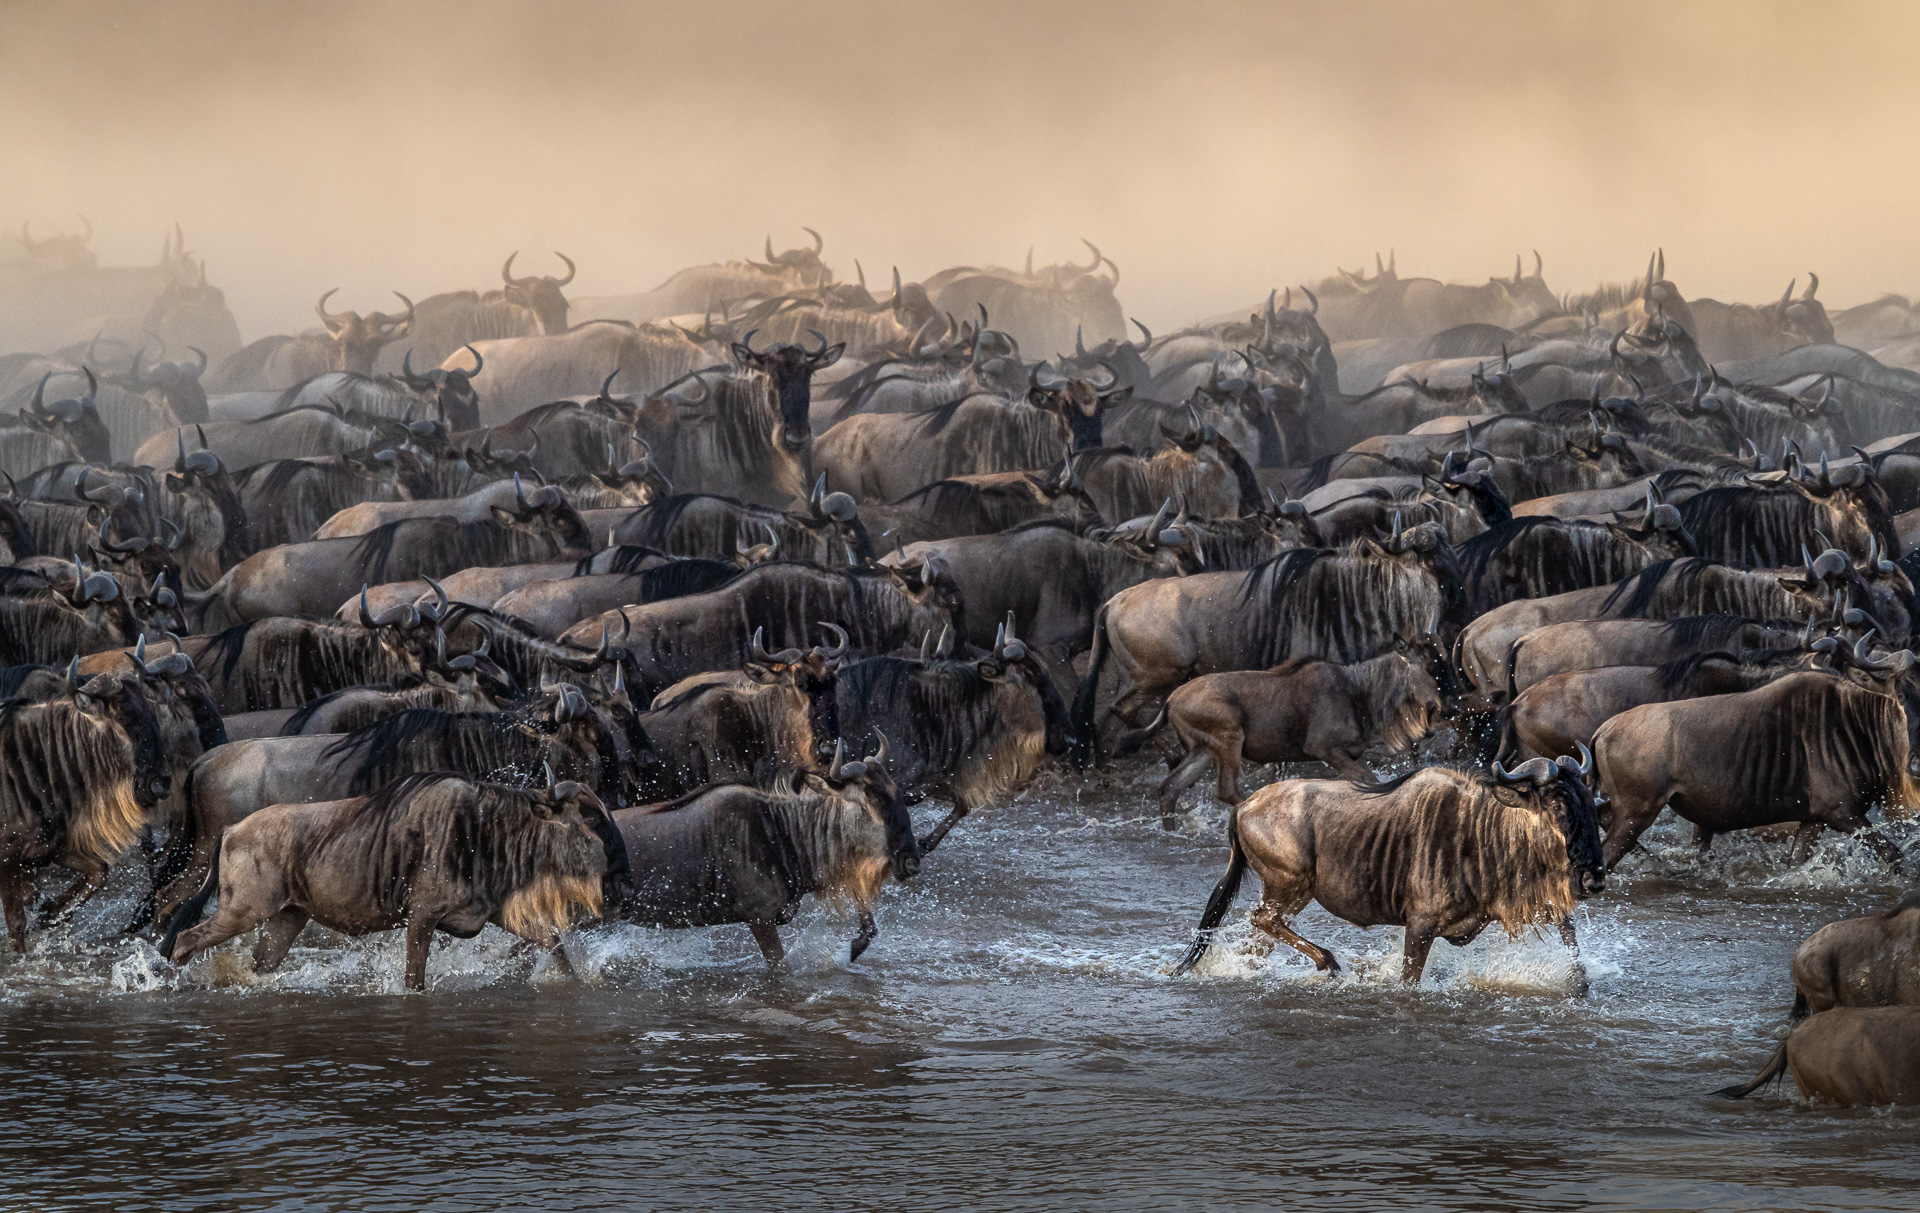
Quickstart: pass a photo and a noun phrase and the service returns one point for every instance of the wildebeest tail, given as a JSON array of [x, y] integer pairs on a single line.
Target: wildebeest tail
[[1131, 741], [1222, 899], [1800, 1008], [1509, 738], [179, 853], [191, 909], [1086, 733], [1775, 1067]]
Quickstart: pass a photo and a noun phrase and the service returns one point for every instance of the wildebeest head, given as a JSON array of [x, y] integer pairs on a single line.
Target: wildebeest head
[[1562, 788], [64, 250], [868, 779], [928, 583], [546, 513], [75, 422], [802, 267], [450, 391], [1891, 673], [1804, 319], [1531, 297], [1010, 661], [176, 384], [175, 680], [1659, 529], [121, 702], [1497, 392], [542, 296], [141, 562], [356, 339], [1468, 482], [790, 369], [1659, 351], [1078, 402]]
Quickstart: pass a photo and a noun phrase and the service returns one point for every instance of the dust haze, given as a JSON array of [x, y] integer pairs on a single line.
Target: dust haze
[[1212, 151]]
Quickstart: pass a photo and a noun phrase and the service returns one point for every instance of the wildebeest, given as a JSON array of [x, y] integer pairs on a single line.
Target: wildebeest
[[1302, 710], [312, 579], [969, 732], [1346, 606], [44, 433], [988, 504], [1539, 557], [1850, 1055], [1727, 332], [1440, 852], [429, 852], [701, 524], [353, 339], [79, 773], [520, 307], [277, 662], [1870, 961], [736, 854], [881, 608], [1812, 748], [287, 500], [1587, 644]]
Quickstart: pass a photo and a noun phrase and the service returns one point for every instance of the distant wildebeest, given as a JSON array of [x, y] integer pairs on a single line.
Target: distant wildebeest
[[428, 852], [1302, 710], [1540, 557], [1440, 852], [701, 524], [736, 854]]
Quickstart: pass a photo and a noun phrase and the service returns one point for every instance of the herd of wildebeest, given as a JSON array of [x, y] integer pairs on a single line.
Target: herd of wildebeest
[[516, 608]]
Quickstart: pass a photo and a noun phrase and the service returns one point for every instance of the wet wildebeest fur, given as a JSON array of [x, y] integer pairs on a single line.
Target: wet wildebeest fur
[[1440, 852], [735, 854], [1539, 557], [1850, 1055], [429, 851], [77, 776], [1766, 526], [1589, 644]]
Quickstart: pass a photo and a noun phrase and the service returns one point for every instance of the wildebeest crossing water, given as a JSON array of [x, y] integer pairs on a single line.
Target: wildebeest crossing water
[[1019, 993]]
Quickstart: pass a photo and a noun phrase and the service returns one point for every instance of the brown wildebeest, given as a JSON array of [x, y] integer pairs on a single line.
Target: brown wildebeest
[[1517, 848], [736, 854], [1589, 644], [1554, 713], [1300, 711], [1813, 748], [1870, 961], [430, 852], [1850, 1055]]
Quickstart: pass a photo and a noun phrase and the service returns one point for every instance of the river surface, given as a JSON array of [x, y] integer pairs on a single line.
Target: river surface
[[1011, 1041]]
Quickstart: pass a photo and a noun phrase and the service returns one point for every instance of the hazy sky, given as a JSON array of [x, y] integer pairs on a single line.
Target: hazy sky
[[1211, 150]]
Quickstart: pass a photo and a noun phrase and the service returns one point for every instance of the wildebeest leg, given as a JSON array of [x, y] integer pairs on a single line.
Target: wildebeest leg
[[1572, 943], [1179, 780], [420, 927], [767, 936], [1803, 840], [1348, 767], [13, 897], [276, 938], [89, 882], [1269, 918], [1703, 838], [868, 931], [1413, 960], [960, 809]]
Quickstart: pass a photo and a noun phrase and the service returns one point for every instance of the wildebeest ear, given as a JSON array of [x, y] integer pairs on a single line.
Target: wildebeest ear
[[504, 517], [177, 484], [744, 356], [758, 673], [827, 357]]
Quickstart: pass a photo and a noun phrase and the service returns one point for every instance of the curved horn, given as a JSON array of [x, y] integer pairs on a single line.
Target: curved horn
[[570, 270], [506, 271], [818, 244], [757, 650], [366, 615], [478, 361], [326, 317], [1312, 299], [841, 637], [608, 383]]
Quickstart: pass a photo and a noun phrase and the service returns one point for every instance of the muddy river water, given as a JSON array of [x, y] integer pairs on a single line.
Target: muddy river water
[[1011, 1041]]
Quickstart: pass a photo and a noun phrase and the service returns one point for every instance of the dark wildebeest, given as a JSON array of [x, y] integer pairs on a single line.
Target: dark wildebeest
[[312, 579], [1302, 710], [1590, 644], [882, 608], [1850, 1055], [284, 663], [1440, 852], [1540, 557], [287, 500], [87, 613], [79, 773], [701, 524], [736, 854], [1055, 611], [1813, 748], [45, 433], [969, 732], [1345, 606], [1764, 526], [549, 608], [988, 504], [428, 852], [751, 435], [760, 725]]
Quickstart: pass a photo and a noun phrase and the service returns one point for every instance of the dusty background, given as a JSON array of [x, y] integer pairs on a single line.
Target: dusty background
[[1211, 150]]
